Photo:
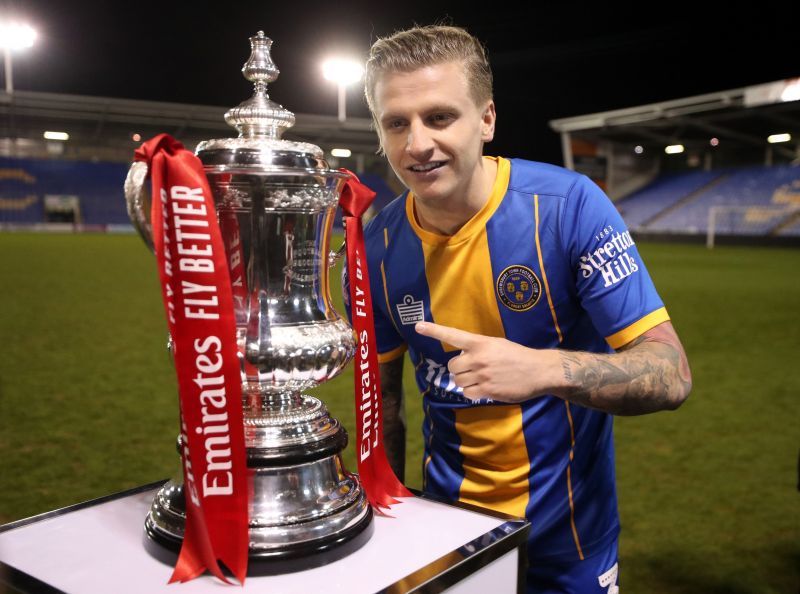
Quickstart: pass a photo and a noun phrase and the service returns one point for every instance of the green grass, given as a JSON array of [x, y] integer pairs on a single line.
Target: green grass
[[708, 493]]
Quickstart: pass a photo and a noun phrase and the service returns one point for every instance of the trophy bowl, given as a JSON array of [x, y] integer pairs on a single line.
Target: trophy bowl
[[275, 202]]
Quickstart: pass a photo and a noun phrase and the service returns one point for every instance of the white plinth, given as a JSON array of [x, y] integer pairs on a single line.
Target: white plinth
[[97, 548]]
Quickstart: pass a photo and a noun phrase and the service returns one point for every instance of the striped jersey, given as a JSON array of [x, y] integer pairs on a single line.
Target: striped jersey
[[547, 263]]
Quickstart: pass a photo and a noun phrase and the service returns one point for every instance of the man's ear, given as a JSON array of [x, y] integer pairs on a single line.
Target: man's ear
[[488, 122]]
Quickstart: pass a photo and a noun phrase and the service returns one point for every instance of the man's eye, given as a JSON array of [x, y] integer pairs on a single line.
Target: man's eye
[[441, 118], [395, 124]]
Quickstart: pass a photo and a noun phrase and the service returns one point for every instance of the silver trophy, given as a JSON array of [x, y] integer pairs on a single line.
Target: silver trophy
[[275, 202]]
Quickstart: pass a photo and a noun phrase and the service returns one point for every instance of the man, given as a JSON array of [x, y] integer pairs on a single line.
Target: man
[[525, 308]]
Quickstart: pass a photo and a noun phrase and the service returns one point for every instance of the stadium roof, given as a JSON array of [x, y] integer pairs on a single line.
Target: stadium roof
[[106, 125], [737, 117]]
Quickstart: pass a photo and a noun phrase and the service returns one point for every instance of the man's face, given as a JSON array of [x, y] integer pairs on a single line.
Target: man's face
[[432, 131]]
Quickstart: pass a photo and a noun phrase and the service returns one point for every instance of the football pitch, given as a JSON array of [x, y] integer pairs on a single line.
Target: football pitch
[[708, 494]]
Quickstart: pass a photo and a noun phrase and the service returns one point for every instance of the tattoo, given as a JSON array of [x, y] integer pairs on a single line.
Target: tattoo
[[648, 374], [394, 418], [635, 342], [567, 371]]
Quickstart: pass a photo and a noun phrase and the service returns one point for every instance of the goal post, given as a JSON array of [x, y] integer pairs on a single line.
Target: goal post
[[745, 219]]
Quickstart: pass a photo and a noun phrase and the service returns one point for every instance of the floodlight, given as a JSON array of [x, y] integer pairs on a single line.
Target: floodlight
[[342, 71], [773, 138]]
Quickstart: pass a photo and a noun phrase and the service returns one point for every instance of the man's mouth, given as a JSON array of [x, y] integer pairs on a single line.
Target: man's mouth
[[430, 166]]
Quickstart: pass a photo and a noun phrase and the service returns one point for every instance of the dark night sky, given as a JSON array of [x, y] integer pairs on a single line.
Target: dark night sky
[[550, 60]]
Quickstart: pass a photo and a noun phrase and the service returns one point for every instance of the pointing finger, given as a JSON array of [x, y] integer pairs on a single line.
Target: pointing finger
[[453, 336]]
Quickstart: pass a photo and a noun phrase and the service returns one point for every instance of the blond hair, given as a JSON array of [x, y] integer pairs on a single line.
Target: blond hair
[[406, 51]]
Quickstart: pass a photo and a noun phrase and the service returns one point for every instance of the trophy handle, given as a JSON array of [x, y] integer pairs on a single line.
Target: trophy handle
[[335, 256], [137, 199]]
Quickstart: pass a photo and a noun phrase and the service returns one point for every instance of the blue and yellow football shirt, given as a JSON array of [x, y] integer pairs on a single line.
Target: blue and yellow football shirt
[[546, 263]]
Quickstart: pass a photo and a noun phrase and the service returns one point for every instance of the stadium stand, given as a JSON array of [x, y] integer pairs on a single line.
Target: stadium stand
[[790, 228], [685, 169], [80, 182], [38, 191], [662, 194], [748, 201], [28, 186]]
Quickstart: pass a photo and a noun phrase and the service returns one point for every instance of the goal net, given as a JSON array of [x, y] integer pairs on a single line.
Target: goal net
[[747, 220]]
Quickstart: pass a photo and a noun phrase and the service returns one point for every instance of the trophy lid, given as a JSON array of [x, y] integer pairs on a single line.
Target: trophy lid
[[260, 123]]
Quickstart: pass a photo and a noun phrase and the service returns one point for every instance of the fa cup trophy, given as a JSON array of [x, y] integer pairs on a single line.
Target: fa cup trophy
[[275, 202]]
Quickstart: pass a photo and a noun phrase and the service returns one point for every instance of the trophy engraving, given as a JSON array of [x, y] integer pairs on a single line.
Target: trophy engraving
[[275, 202]]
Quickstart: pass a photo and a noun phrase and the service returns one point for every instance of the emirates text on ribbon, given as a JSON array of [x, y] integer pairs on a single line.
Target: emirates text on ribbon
[[369, 397], [195, 255]]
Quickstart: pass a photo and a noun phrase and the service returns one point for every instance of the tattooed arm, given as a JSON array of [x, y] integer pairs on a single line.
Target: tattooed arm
[[394, 418], [649, 374]]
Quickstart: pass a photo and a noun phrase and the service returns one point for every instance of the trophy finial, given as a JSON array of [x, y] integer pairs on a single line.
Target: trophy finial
[[259, 116], [260, 67]]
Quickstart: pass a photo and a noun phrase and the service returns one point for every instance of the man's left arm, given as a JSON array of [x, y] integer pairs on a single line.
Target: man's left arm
[[648, 374]]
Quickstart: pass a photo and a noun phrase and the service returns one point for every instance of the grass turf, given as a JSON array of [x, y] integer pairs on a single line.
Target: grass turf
[[708, 494]]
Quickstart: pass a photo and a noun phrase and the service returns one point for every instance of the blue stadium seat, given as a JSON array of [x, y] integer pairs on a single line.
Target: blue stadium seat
[[24, 184], [680, 203], [661, 194]]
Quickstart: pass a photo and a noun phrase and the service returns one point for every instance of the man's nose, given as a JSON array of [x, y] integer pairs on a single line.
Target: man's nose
[[420, 141]]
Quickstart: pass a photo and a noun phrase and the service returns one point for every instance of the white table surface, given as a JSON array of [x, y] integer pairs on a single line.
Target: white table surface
[[98, 549]]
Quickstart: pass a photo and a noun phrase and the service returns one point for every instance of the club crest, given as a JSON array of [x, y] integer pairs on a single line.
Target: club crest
[[518, 288]]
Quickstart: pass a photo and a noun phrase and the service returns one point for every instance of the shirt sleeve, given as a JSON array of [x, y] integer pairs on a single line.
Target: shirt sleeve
[[612, 281]]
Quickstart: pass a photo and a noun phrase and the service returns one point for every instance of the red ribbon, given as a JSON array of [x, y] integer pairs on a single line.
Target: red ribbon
[[198, 300], [380, 483]]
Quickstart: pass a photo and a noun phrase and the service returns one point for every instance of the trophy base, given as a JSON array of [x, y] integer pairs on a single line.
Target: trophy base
[[276, 544], [304, 508], [293, 557]]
